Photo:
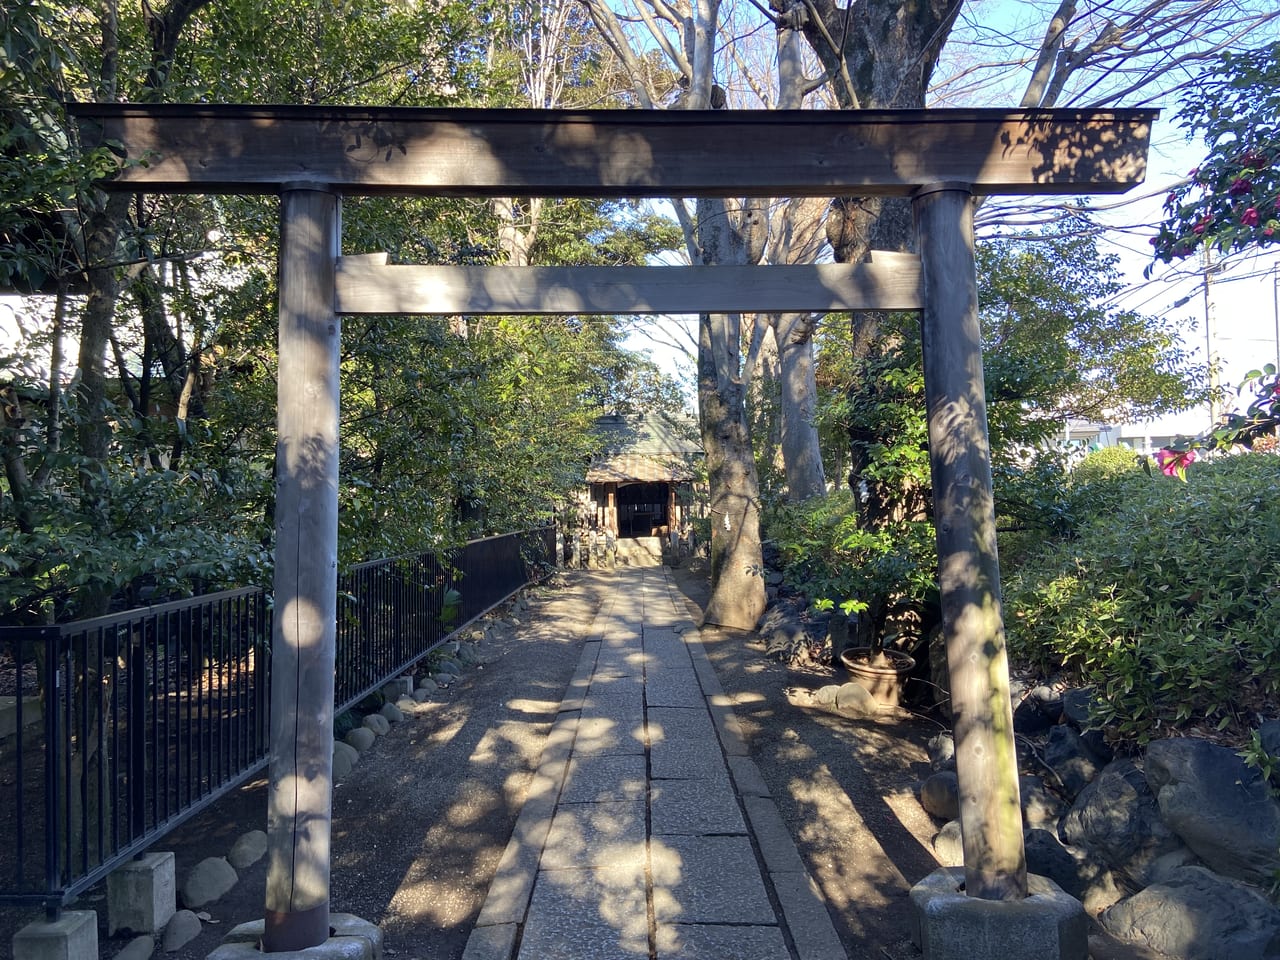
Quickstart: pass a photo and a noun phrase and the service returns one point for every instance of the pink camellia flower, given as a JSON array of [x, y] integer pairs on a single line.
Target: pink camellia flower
[[1173, 463], [1202, 225], [1240, 185], [1250, 217]]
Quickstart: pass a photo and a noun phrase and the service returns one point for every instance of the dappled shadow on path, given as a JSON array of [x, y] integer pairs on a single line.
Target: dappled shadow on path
[[845, 788]]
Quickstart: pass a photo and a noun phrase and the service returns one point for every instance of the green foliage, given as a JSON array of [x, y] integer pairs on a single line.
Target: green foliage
[[1166, 600], [1260, 419], [1032, 503], [450, 428], [1104, 464], [126, 530], [1232, 199], [1255, 755], [41, 171], [1055, 350], [832, 559]]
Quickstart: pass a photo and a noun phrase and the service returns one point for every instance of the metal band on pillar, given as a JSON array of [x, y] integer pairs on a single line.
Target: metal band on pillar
[[968, 568], [306, 517]]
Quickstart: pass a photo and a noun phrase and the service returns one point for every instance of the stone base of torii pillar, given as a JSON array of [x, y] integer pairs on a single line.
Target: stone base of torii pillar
[[1047, 924], [350, 938]]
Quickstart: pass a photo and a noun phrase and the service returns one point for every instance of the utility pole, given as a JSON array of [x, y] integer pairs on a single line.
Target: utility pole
[[1275, 305], [1211, 339]]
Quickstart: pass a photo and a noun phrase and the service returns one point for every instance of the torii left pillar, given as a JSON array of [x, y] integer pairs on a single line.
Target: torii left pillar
[[304, 637]]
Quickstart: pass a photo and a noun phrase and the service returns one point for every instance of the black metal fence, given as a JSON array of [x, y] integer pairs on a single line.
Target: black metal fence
[[115, 730]]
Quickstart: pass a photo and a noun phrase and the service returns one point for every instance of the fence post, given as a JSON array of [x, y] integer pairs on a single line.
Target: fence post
[[52, 755], [137, 741]]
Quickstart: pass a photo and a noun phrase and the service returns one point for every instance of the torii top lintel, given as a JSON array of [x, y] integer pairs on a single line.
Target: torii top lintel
[[221, 148]]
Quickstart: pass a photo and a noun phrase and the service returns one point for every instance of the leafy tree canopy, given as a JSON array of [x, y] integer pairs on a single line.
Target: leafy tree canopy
[[1055, 349]]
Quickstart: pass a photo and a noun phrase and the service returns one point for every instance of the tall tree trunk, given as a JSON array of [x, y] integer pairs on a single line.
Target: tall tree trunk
[[800, 241], [889, 48], [103, 233], [727, 236], [801, 454], [738, 595]]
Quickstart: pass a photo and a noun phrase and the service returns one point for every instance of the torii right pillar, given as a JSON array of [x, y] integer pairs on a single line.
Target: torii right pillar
[[991, 909]]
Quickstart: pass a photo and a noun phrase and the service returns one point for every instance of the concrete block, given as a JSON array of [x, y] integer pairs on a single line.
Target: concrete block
[[142, 894], [31, 715], [399, 687], [73, 936], [1048, 925]]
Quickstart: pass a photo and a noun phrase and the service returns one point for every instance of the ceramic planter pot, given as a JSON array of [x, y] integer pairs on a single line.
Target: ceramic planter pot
[[884, 680]]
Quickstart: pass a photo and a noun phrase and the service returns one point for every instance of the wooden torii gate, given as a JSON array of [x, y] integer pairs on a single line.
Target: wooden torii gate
[[312, 156]]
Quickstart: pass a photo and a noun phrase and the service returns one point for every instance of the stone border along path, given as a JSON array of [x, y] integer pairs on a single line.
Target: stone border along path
[[648, 831]]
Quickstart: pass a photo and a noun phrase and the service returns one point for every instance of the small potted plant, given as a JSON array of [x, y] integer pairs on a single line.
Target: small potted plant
[[880, 582]]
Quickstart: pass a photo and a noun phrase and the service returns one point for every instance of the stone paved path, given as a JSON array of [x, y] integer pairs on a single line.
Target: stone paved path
[[648, 832]]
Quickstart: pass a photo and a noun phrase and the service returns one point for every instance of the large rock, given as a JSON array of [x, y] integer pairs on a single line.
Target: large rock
[[942, 752], [1065, 751], [854, 700], [361, 739], [948, 845], [1197, 915], [139, 948], [208, 880], [342, 761], [1048, 700], [248, 850], [826, 694], [940, 795], [448, 665], [1116, 817], [1030, 719], [1041, 810], [1075, 707], [183, 927], [1085, 879], [1075, 711], [342, 748], [1221, 807]]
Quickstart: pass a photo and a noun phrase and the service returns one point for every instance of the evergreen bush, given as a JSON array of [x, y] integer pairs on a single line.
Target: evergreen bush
[[1105, 463], [1166, 599]]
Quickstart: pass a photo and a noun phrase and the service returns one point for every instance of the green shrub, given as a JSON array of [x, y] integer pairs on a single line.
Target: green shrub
[[1167, 600], [1105, 464], [1032, 504], [827, 557]]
